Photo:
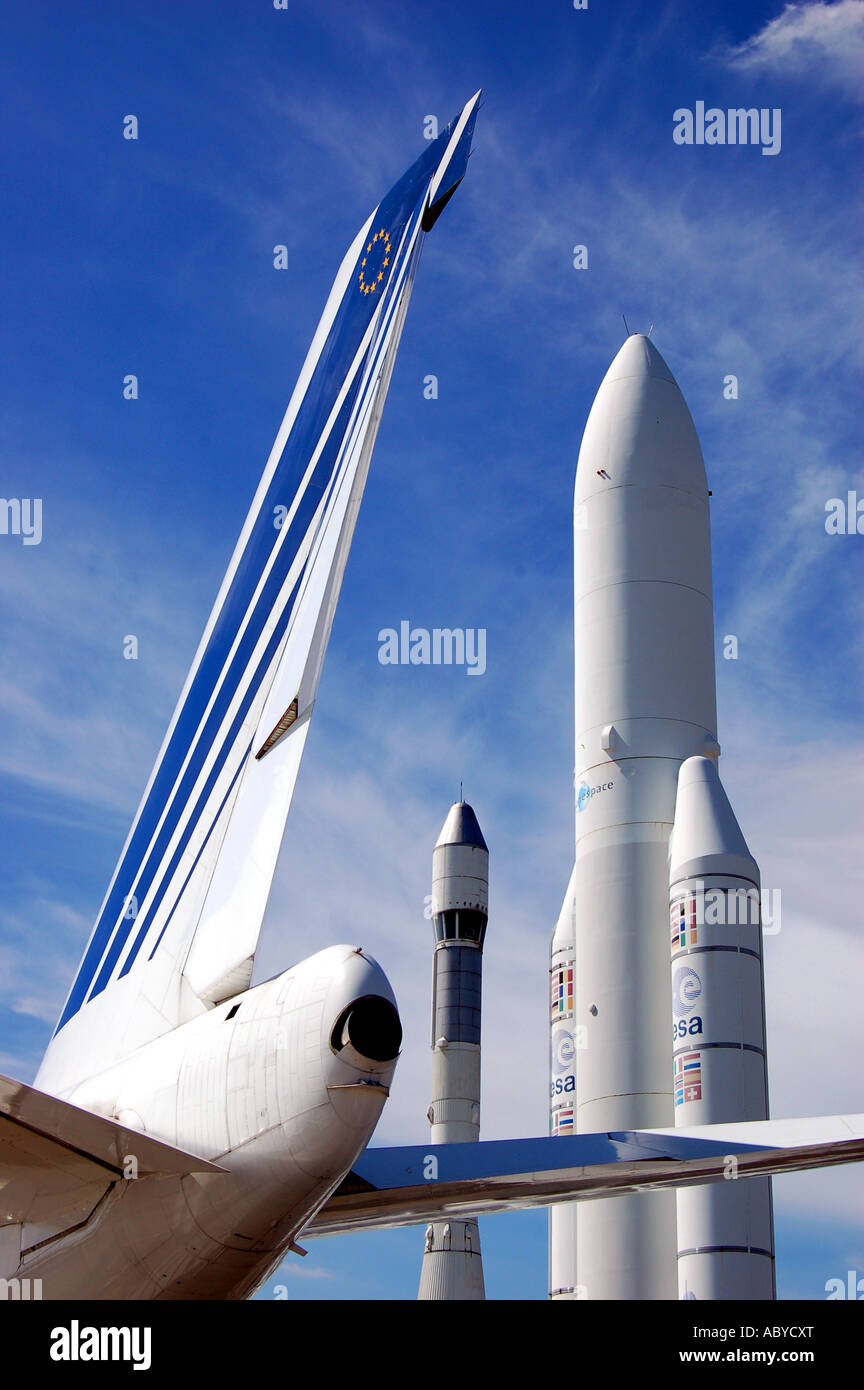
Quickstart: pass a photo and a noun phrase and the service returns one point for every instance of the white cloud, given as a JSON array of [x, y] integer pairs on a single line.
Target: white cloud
[[33, 984], [822, 41], [77, 718], [34, 1007], [292, 1270]]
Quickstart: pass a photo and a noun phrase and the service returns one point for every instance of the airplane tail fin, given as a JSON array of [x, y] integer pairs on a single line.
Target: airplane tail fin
[[178, 927]]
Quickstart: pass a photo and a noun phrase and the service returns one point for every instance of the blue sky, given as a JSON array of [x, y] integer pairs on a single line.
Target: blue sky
[[261, 127]]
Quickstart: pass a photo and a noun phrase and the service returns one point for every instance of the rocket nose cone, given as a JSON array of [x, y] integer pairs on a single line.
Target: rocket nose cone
[[639, 357], [461, 827], [639, 430], [698, 769], [706, 835]]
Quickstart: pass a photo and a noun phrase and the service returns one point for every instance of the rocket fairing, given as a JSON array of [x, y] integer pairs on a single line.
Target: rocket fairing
[[452, 1264], [725, 1235], [644, 703]]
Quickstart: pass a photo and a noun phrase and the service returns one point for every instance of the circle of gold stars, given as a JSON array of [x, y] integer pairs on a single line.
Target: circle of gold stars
[[368, 280]]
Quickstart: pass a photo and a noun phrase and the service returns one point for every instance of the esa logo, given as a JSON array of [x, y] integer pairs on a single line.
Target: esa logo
[[686, 989], [562, 1085], [585, 793], [686, 1027], [563, 1051]]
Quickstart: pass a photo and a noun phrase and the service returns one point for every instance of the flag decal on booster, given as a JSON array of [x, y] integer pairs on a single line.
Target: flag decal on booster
[[688, 1077], [561, 1001], [260, 657]]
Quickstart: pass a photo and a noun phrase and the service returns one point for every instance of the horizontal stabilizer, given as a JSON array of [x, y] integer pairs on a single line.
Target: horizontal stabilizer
[[64, 1136], [407, 1186], [58, 1163]]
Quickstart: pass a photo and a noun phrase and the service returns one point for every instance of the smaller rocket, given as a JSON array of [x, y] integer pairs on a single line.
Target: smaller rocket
[[452, 1263], [725, 1230]]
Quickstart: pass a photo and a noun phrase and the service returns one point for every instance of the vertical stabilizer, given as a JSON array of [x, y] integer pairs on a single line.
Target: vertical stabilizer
[[179, 925]]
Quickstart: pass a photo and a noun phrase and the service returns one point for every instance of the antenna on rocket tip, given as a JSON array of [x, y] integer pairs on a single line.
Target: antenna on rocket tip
[[460, 788], [626, 329]]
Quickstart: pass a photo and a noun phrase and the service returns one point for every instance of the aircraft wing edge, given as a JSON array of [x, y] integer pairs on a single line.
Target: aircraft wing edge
[[414, 1185], [75, 1133]]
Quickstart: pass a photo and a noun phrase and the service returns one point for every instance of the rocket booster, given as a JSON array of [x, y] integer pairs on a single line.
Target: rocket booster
[[725, 1231], [644, 703]]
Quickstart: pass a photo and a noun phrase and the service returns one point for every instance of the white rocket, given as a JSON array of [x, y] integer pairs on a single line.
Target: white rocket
[[452, 1264], [644, 705]]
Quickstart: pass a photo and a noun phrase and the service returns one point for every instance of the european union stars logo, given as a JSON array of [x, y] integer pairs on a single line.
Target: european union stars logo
[[375, 262]]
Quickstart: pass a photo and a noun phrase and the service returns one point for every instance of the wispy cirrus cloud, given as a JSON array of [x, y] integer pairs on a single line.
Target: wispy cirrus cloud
[[299, 1271], [819, 41]]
